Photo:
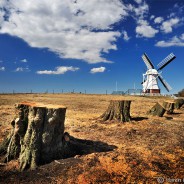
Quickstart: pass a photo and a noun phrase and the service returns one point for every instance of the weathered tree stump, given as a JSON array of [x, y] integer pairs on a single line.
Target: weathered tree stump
[[118, 110], [157, 110], [169, 107], [37, 135], [178, 103]]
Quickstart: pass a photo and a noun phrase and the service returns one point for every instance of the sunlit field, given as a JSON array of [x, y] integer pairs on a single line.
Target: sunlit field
[[137, 151]]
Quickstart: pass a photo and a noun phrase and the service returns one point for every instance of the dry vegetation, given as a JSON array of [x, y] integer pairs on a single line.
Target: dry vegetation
[[134, 152]]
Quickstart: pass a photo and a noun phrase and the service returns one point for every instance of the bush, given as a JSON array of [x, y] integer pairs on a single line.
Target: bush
[[181, 93]]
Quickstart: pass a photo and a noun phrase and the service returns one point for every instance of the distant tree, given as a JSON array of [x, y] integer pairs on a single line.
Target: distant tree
[[181, 93]]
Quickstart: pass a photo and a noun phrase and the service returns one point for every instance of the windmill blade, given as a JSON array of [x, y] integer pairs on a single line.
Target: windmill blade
[[147, 61], [166, 61], [165, 84]]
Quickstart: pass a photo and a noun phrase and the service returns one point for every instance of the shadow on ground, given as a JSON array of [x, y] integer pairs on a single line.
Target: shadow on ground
[[138, 118], [77, 146], [72, 147]]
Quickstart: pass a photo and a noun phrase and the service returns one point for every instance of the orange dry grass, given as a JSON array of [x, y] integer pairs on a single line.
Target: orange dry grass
[[147, 147]]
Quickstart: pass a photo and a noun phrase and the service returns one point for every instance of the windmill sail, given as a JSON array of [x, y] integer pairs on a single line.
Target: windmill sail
[[166, 61], [165, 84], [147, 61]]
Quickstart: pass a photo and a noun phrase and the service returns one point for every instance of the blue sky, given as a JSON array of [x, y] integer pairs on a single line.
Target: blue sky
[[88, 45]]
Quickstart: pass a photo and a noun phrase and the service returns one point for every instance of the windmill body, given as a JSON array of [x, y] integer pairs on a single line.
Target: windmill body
[[150, 84], [152, 75]]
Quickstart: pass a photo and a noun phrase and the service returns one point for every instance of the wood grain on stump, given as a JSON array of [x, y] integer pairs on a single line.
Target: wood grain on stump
[[178, 103], [118, 110], [37, 134], [168, 106], [157, 110]]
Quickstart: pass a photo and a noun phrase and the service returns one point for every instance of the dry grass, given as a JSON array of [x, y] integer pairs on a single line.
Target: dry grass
[[146, 147]]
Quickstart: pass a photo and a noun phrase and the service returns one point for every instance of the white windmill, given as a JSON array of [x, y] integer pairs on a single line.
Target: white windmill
[[150, 78]]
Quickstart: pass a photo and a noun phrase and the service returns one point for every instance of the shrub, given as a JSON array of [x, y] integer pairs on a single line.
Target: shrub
[[181, 93]]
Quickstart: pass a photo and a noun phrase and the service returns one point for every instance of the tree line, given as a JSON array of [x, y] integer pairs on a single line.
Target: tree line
[[181, 93]]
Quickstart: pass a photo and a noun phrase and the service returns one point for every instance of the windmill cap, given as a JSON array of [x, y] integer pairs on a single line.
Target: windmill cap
[[152, 72]]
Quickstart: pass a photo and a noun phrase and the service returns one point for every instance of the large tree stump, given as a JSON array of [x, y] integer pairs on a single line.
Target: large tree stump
[[37, 135], [178, 103], [118, 110], [157, 110], [169, 107]]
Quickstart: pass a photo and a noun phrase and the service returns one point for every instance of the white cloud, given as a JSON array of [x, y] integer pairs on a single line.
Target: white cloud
[[176, 5], [174, 41], [139, 13], [167, 26], [22, 69], [2, 68], [179, 8], [19, 69], [68, 27], [182, 37], [138, 1], [24, 61], [58, 70], [145, 30], [171, 15], [158, 20], [2, 3], [141, 10], [98, 70], [1, 17], [152, 17], [125, 36]]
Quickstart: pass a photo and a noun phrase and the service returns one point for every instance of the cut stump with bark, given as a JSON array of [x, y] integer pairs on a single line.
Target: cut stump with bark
[[178, 103], [157, 110], [169, 107], [37, 135], [118, 110]]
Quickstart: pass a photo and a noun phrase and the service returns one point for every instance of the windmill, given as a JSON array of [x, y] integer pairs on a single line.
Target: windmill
[[150, 78]]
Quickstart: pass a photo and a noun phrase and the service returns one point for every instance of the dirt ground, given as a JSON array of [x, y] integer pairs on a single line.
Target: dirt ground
[[146, 150]]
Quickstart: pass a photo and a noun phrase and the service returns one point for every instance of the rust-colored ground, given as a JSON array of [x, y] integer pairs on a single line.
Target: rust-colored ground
[[139, 151]]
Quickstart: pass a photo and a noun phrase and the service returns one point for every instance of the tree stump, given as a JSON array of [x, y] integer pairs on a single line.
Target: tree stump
[[37, 135], [118, 110], [169, 107], [157, 110], [178, 103]]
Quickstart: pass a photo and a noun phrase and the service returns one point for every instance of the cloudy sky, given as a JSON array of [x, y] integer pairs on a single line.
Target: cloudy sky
[[88, 45]]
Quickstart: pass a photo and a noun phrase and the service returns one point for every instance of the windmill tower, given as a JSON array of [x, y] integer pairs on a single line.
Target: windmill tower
[[150, 78]]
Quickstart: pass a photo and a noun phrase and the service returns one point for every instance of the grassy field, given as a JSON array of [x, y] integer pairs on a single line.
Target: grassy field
[[139, 151]]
